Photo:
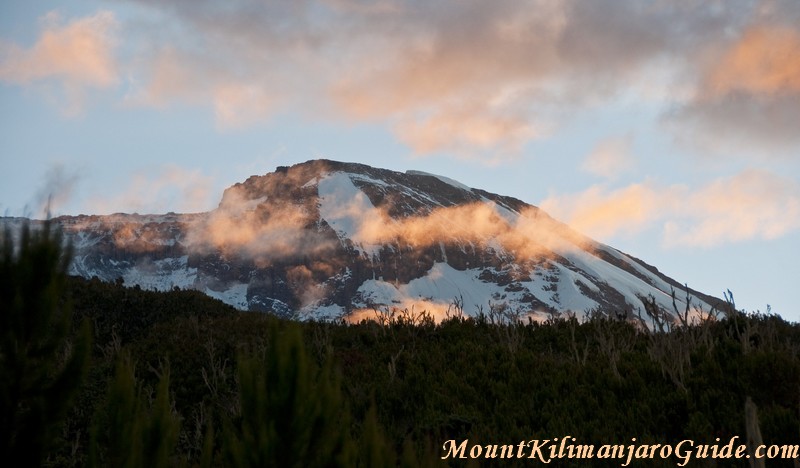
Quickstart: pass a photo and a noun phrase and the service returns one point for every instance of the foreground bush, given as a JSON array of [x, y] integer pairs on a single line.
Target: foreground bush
[[178, 379], [41, 366]]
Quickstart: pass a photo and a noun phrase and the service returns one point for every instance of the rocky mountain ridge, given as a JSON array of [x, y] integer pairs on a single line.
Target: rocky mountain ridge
[[328, 240]]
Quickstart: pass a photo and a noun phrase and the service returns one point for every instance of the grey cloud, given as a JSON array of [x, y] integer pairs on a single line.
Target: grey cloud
[[411, 63], [759, 125]]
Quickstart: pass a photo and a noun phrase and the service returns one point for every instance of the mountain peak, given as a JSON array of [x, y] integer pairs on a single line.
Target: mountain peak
[[416, 189], [328, 239]]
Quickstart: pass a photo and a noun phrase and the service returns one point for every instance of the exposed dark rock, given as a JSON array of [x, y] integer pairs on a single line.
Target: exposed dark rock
[[267, 247]]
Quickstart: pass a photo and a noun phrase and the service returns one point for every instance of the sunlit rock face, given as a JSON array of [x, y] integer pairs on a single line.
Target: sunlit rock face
[[329, 240]]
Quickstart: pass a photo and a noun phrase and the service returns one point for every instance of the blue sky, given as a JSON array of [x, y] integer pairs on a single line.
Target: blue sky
[[670, 130]]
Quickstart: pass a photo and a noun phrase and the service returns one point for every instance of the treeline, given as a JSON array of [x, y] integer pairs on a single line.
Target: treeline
[[98, 374]]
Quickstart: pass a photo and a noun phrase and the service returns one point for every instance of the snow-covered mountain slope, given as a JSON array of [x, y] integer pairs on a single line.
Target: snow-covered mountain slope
[[325, 239]]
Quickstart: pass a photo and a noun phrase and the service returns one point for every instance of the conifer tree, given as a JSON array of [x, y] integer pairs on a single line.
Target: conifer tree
[[373, 449], [291, 412], [133, 431], [41, 367]]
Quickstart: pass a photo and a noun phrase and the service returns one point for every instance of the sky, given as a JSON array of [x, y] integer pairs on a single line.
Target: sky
[[667, 129]]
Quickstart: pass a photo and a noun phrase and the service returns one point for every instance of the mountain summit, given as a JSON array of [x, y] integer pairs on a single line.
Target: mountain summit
[[326, 239]]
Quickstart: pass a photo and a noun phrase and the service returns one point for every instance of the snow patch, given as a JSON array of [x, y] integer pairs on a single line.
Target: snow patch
[[510, 216], [697, 305], [321, 312], [367, 179], [435, 293], [343, 206], [312, 183], [235, 295], [629, 285], [162, 275]]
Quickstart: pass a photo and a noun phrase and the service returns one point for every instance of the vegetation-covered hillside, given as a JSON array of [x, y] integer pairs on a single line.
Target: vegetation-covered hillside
[[101, 374]]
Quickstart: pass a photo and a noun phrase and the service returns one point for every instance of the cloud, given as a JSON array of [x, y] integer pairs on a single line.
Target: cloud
[[526, 235], [740, 124], [238, 105], [172, 76], [306, 285], [169, 77], [467, 132], [749, 96], [763, 61], [753, 204], [476, 76], [263, 232], [78, 54], [169, 187], [610, 158], [603, 213], [141, 234], [472, 78]]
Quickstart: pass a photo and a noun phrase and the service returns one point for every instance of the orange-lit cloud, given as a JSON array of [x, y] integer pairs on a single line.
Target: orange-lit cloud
[[603, 213], [610, 158], [256, 229], [266, 230], [753, 204], [748, 99], [78, 54], [238, 105], [173, 76], [464, 131], [471, 78], [766, 60], [168, 78], [134, 233], [301, 280], [471, 87], [530, 234], [186, 190]]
